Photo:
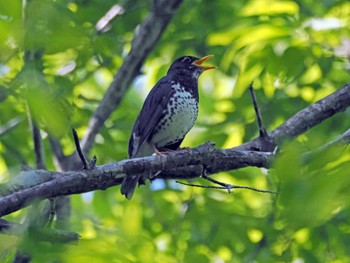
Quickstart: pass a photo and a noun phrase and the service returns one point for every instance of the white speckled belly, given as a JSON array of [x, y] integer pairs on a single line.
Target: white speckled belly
[[184, 111]]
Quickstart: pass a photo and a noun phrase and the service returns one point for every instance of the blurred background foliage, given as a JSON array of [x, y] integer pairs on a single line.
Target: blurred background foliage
[[55, 63]]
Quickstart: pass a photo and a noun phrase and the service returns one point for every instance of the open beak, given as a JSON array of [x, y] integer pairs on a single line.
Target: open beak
[[200, 61]]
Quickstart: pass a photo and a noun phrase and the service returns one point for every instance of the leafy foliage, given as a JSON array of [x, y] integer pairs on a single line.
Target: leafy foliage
[[57, 66]]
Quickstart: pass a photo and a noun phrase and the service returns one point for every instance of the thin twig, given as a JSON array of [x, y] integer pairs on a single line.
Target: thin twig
[[262, 131], [342, 140], [228, 187], [77, 146], [57, 149], [305, 119], [38, 148], [213, 180]]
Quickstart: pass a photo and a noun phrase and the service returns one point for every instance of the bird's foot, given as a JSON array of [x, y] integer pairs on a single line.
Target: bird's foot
[[163, 151], [185, 149]]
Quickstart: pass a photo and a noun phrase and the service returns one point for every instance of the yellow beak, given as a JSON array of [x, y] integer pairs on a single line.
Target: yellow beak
[[200, 61]]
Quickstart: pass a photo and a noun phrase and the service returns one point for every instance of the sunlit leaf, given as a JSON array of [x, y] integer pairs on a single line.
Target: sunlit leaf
[[266, 7], [295, 53]]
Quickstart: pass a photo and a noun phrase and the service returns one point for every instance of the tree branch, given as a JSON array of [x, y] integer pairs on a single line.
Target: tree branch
[[267, 144], [57, 150], [38, 148], [145, 39], [306, 118], [342, 140], [262, 130], [227, 187], [104, 176], [313, 115], [175, 165], [79, 151]]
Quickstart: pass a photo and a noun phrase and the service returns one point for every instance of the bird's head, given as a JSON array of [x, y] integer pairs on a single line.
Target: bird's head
[[189, 66]]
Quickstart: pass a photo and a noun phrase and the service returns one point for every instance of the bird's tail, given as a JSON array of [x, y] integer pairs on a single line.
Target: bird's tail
[[129, 185]]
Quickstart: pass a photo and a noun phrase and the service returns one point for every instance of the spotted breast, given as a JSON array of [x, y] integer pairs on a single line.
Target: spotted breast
[[168, 113], [178, 117]]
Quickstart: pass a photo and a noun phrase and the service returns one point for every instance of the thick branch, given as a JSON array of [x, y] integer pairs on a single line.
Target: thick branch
[[306, 118], [146, 37], [179, 164], [108, 175], [313, 115]]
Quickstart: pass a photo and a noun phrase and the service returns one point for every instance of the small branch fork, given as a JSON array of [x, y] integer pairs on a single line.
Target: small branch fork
[[225, 186], [265, 143], [262, 131], [176, 165], [87, 165]]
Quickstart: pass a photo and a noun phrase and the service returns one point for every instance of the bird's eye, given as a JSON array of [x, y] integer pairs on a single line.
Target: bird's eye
[[186, 60]]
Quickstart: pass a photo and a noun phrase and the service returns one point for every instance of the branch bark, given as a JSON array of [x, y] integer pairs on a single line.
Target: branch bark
[[55, 184], [305, 119], [313, 115], [179, 164]]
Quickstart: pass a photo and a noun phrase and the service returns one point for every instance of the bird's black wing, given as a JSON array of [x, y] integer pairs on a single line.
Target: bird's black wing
[[151, 112]]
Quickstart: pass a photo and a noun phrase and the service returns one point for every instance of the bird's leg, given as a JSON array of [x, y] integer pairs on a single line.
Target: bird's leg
[[162, 151], [158, 152], [185, 149]]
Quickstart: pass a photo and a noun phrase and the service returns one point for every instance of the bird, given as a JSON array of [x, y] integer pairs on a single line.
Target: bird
[[167, 115]]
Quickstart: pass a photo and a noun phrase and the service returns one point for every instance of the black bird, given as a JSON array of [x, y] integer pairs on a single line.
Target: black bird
[[168, 113]]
